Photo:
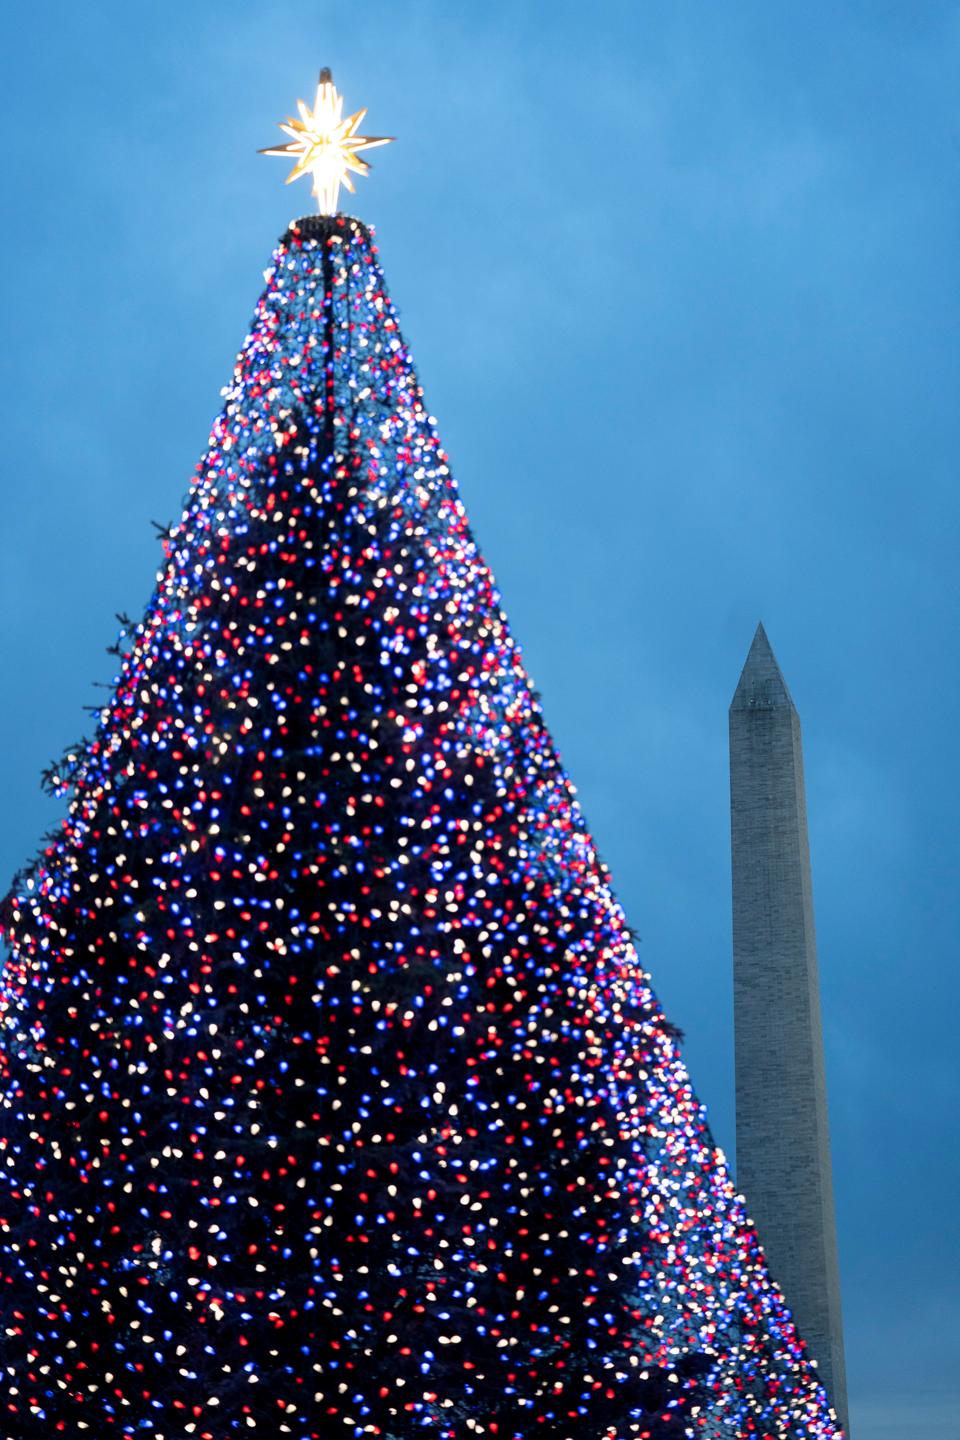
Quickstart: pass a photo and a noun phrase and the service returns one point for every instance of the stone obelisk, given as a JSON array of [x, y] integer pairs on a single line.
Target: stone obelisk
[[783, 1141]]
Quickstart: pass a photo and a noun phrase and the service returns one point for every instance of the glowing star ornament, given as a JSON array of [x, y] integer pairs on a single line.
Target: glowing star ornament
[[326, 146]]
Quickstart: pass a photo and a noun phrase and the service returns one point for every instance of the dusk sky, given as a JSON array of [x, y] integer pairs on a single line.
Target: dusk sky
[[681, 283]]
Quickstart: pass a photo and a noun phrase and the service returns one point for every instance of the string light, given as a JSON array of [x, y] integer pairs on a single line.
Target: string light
[[335, 1099]]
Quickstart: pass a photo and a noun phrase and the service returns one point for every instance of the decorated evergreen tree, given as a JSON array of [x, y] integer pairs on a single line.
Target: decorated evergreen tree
[[335, 1100]]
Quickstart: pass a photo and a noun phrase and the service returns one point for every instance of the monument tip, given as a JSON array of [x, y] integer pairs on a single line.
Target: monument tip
[[761, 685]]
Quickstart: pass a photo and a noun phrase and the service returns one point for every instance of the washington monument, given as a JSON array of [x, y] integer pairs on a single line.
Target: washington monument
[[783, 1140]]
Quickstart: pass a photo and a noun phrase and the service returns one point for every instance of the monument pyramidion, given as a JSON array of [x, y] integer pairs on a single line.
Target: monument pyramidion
[[334, 1099]]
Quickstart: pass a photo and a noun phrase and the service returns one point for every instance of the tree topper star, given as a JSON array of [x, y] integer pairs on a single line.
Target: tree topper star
[[326, 146]]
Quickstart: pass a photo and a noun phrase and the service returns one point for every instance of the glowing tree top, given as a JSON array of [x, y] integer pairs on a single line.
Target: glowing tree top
[[334, 1099], [326, 146]]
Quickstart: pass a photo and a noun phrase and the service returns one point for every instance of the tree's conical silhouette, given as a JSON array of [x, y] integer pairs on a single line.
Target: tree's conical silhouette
[[335, 1099]]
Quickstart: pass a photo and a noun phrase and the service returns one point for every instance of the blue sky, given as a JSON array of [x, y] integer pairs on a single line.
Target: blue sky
[[681, 282]]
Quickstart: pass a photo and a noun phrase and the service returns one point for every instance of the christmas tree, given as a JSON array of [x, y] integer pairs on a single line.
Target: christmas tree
[[335, 1099]]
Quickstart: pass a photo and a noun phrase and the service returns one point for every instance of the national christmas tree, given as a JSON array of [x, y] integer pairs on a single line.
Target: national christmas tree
[[335, 1099]]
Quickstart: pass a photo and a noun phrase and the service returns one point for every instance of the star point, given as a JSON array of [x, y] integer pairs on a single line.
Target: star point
[[325, 145]]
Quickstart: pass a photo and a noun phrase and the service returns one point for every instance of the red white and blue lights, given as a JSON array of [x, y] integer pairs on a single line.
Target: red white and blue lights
[[335, 1100]]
